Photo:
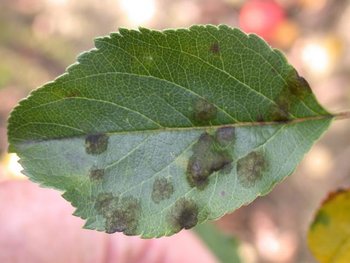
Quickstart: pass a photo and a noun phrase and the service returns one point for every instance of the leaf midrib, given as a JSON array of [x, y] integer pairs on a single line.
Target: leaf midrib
[[174, 129], [163, 79], [127, 108], [161, 128]]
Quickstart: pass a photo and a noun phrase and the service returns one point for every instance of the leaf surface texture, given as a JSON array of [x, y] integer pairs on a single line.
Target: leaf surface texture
[[156, 131]]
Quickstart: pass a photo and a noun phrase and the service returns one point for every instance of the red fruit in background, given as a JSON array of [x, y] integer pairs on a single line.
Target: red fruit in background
[[261, 17]]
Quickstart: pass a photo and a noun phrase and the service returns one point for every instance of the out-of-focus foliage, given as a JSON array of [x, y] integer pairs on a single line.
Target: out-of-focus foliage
[[25, 57], [224, 246], [329, 233]]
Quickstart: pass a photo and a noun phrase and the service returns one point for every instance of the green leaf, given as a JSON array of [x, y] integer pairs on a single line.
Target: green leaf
[[329, 233], [223, 246], [153, 132]]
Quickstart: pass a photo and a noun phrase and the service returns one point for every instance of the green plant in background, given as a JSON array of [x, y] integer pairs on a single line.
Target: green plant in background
[[157, 131], [224, 247]]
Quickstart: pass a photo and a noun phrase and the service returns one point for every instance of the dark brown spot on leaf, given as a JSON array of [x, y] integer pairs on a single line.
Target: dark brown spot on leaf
[[162, 189], [96, 143], [184, 214], [96, 174], [121, 215], [125, 217], [250, 168], [215, 48], [204, 111], [207, 158]]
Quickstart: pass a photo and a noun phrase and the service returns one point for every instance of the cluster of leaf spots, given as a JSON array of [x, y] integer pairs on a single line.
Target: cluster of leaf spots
[[121, 214], [184, 214], [210, 155], [204, 111], [96, 143], [162, 189], [250, 168]]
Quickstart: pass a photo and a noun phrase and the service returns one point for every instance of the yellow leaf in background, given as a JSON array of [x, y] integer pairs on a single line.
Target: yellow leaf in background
[[329, 233], [10, 168]]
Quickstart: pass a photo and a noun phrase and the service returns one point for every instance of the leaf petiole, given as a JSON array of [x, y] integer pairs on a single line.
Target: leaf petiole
[[342, 115]]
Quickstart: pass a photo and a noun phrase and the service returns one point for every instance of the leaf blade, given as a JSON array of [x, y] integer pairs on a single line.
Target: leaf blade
[[167, 123]]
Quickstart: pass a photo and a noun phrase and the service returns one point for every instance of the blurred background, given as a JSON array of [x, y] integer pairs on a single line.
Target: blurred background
[[40, 38]]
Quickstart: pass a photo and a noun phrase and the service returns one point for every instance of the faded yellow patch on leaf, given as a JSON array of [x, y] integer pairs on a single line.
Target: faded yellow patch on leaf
[[329, 233]]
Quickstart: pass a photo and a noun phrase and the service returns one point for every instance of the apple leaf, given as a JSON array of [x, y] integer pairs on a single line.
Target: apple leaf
[[156, 131]]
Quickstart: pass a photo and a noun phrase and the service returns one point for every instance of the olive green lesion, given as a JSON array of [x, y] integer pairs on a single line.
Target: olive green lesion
[[183, 214], [96, 143], [295, 90], [210, 154], [121, 214], [251, 168], [204, 111], [162, 189], [281, 111], [298, 86], [96, 174]]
